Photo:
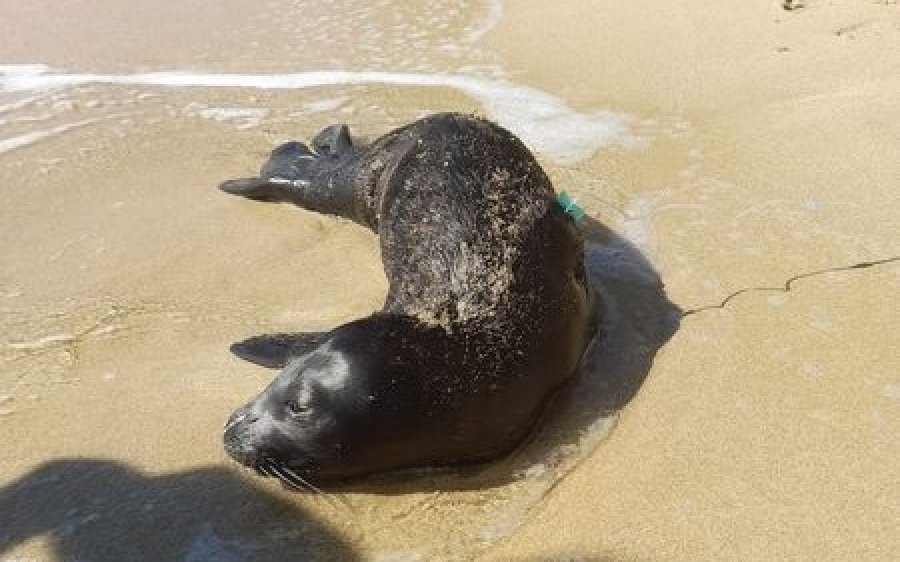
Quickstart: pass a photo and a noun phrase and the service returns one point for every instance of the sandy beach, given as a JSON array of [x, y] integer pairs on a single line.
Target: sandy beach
[[738, 165]]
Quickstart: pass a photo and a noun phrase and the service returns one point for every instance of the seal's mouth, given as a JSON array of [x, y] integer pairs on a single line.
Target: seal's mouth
[[268, 466]]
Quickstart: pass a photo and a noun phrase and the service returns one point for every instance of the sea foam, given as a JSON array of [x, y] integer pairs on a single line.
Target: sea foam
[[544, 122]]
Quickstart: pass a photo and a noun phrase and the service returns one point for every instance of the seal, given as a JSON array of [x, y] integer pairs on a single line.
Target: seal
[[488, 310]]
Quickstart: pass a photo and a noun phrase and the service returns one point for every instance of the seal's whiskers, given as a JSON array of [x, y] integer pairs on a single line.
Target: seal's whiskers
[[292, 479], [276, 470]]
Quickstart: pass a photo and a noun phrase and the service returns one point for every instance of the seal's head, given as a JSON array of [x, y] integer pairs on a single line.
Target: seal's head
[[306, 418], [335, 411]]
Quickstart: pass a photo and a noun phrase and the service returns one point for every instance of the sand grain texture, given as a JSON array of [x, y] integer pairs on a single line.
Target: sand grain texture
[[748, 145]]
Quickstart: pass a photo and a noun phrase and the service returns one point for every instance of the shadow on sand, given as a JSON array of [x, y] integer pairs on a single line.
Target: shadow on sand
[[637, 319], [102, 511]]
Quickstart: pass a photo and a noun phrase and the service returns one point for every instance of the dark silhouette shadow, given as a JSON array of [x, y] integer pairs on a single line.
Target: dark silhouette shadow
[[637, 319], [103, 511]]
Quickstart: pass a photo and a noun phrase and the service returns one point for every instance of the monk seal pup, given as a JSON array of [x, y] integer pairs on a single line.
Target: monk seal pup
[[488, 310]]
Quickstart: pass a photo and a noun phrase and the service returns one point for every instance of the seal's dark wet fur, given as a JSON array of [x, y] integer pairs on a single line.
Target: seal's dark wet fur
[[487, 314]]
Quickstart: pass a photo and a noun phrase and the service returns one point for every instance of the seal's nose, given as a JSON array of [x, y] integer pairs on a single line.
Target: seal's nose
[[238, 417], [238, 447], [235, 439]]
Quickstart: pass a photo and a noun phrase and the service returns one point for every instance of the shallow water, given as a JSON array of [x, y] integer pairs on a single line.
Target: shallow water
[[105, 139]]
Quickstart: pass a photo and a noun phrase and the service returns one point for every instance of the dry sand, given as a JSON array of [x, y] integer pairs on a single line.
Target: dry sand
[[749, 147]]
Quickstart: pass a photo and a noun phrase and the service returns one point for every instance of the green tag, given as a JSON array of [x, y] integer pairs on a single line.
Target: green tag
[[569, 206]]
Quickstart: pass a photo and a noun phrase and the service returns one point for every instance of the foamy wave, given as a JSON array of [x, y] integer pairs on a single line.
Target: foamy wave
[[544, 122], [23, 69]]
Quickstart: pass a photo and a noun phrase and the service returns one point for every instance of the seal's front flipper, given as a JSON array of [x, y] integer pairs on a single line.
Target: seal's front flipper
[[274, 350]]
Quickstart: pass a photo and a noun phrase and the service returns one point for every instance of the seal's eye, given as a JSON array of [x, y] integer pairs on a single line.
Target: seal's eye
[[297, 409]]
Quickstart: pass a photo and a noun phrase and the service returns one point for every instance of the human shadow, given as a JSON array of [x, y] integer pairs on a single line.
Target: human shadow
[[636, 320], [103, 511]]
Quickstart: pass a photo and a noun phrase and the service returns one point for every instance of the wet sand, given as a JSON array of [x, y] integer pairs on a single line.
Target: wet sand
[[733, 150]]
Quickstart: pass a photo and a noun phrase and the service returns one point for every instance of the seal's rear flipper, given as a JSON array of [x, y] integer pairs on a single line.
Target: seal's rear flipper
[[289, 169], [323, 181], [333, 141], [260, 189], [274, 350], [292, 160]]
